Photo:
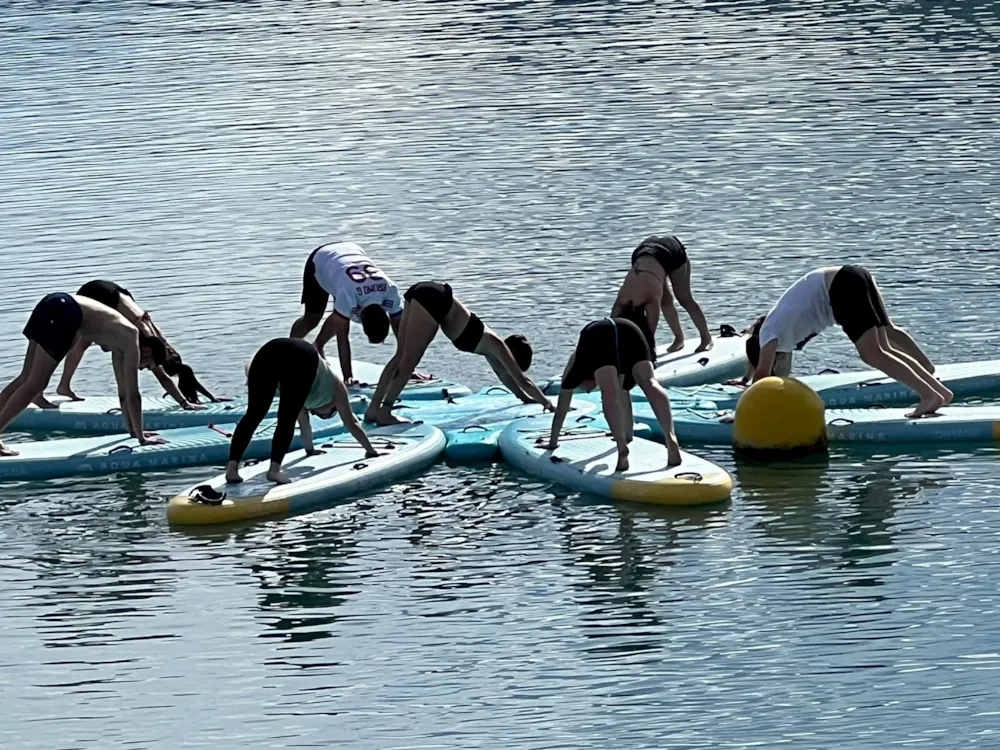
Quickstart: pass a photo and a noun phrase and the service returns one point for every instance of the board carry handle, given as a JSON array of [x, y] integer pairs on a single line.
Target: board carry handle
[[359, 466], [694, 476], [113, 410], [498, 388], [727, 331], [251, 462], [844, 422], [120, 449], [471, 427], [207, 495]]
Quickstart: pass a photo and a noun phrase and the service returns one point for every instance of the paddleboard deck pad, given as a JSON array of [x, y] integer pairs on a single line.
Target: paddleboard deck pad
[[953, 424], [857, 389], [108, 454], [341, 471], [419, 388], [102, 415], [586, 458]]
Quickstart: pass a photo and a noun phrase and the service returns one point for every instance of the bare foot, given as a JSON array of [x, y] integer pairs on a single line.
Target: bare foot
[[43, 402], [705, 345], [673, 454], [384, 417], [68, 393], [948, 395], [278, 478], [622, 459], [676, 346], [927, 406], [5, 451], [233, 477]]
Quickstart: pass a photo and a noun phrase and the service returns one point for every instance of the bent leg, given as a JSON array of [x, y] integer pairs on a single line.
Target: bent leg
[[39, 365], [262, 384], [70, 365], [680, 280], [305, 324], [659, 401], [901, 341], [933, 395], [672, 318]]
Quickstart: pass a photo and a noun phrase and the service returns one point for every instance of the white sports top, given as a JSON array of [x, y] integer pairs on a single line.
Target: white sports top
[[354, 282], [802, 312]]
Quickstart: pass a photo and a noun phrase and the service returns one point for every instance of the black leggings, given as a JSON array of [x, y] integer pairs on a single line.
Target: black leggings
[[290, 364]]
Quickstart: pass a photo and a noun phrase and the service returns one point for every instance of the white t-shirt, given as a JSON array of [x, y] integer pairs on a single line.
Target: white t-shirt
[[802, 312], [354, 282]]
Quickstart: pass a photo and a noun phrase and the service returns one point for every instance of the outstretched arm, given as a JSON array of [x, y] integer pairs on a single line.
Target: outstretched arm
[[339, 326], [342, 401], [171, 388], [766, 362], [305, 429], [559, 418], [126, 367], [526, 389]]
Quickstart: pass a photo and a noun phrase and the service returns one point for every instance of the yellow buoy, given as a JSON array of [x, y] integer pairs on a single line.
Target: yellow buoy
[[780, 416]]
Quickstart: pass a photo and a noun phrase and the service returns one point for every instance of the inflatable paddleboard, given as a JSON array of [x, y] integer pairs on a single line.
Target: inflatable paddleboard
[[101, 415], [854, 389], [340, 472], [725, 360], [954, 424], [419, 388], [187, 446], [472, 425], [586, 458]]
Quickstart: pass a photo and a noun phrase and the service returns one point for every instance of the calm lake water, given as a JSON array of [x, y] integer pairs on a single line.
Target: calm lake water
[[197, 151]]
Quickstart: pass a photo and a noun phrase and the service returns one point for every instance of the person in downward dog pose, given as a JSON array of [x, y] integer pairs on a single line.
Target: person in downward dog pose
[[849, 297], [58, 321], [306, 384], [120, 299], [361, 293], [613, 355], [430, 307], [657, 264]]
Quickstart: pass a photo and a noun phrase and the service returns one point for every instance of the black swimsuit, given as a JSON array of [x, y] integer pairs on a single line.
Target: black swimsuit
[[617, 342], [437, 299], [290, 364], [54, 324], [108, 293], [668, 251]]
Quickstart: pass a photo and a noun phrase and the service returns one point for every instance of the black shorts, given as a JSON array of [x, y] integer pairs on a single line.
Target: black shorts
[[314, 297], [610, 341], [435, 298], [54, 324], [669, 252], [855, 301], [108, 293]]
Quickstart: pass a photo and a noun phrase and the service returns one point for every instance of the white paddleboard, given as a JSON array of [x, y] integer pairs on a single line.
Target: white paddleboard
[[340, 472], [586, 457]]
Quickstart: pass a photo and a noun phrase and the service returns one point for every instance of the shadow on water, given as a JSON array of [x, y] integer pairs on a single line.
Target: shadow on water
[[85, 545], [837, 512], [624, 550]]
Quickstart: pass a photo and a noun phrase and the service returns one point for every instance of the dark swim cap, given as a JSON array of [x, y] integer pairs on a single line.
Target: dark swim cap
[[521, 350]]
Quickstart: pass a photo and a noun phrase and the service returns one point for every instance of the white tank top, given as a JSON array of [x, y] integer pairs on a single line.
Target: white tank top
[[354, 282], [802, 312]]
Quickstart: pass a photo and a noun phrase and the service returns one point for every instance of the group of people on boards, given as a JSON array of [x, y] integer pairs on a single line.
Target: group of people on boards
[[614, 353]]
